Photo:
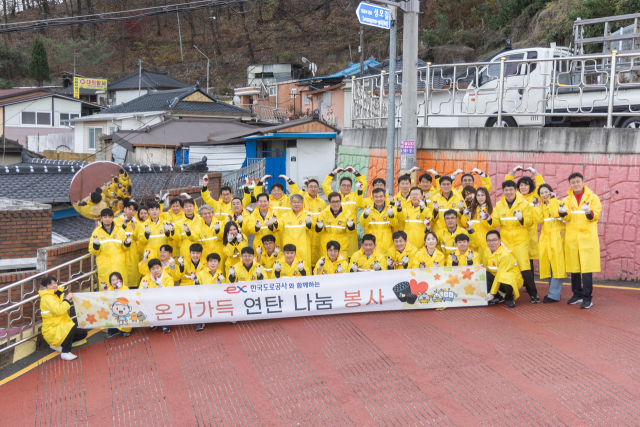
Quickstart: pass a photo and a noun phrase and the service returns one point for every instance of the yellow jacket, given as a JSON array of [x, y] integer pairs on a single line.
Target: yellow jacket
[[314, 207], [514, 235], [170, 270], [429, 261], [132, 255], [111, 255], [181, 238], [447, 239], [232, 252], [166, 281], [365, 263], [485, 181], [244, 227], [291, 270], [443, 206], [267, 262], [551, 245], [581, 243], [533, 229], [188, 269], [242, 275], [205, 277], [330, 267], [335, 228], [56, 322], [211, 240], [380, 225], [220, 208], [282, 204], [481, 229], [156, 239], [414, 223], [295, 231], [264, 230], [504, 266], [409, 251], [349, 201], [462, 258]]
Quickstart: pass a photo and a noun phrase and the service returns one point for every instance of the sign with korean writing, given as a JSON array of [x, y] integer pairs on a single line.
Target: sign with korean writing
[[375, 16], [286, 297], [85, 83], [407, 154]]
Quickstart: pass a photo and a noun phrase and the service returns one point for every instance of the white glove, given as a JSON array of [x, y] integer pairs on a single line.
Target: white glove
[[349, 222], [259, 250], [337, 171], [389, 211], [185, 195], [276, 250], [421, 204], [300, 266], [585, 208], [350, 169], [308, 219], [145, 256], [427, 223], [266, 177], [104, 286], [267, 222], [185, 228], [454, 258], [476, 170], [518, 168], [220, 278], [232, 271], [376, 266], [285, 177], [461, 205], [536, 201], [127, 240], [319, 224], [216, 226], [390, 262], [532, 170], [427, 196], [413, 169], [205, 179], [398, 204], [172, 261], [277, 266], [432, 172], [157, 197], [421, 265], [436, 206], [518, 215], [489, 297], [367, 211], [470, 256], [436, 264], [181, 261], [469, 226], [484, 215], [144, 284], [459, 171], [562, 209], [240, 219], [165, 197], [239, 237], [274, 219], [259, 224], [467, 212], [354, 267], [405, 259], [165, 226], [552, 195], [358, 185], [96, 241], [147, 230], [321, 262], [193, 277], [339, 269], [258, 270]]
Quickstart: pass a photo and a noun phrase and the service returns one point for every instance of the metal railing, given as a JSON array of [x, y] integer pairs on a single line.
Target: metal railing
[[527, 89], [266, 113], [20, 318], [255, 169]]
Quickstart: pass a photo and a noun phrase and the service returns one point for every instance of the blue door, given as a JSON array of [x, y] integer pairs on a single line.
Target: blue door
[[275, 164]]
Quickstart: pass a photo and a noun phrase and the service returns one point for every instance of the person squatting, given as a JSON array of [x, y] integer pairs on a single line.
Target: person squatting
[[428, 223]]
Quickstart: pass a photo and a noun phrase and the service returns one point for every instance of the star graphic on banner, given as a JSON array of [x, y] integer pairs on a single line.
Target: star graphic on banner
[[86, 304], [467, 274], [436, 276], [91, 318], [453, 280], [103, 314], [469, 290]]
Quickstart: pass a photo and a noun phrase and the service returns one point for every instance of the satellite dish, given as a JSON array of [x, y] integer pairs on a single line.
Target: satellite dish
[[236, 100]]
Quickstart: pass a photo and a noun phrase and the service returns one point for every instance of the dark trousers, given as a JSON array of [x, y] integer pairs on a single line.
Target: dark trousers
[[529, 282], [507, 289], [75, 334], [582, 287]]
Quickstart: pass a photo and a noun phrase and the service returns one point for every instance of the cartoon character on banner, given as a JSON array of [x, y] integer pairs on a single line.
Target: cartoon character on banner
[[121, 310], [448, 296], [410, 291]]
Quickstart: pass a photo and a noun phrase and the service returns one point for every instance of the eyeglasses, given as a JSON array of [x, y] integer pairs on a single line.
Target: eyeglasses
[[493, 240]]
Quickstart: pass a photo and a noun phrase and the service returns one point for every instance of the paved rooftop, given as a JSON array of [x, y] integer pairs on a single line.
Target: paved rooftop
[[551, 365]]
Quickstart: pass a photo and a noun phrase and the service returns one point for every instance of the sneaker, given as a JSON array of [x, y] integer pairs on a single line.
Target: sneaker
[[68, 356], [586, 304], [548, 300], [512, 303], [574, 300], [58, 349], [79, 343], [153, 328], [496, 300], [535, 299], [113, 335], [126, 334], [199, 327], [165, 330], [233, 323]]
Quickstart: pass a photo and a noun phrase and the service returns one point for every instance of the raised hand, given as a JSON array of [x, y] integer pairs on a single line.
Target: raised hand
[[339, 268], [467, 212], [220, 278], [518, 215], [427, 223], [350, 169], [349, 222], [405, 260], [319, 224], [390, 262], [484, 215], [258, 270], [266, 177], [354, 267], [96, 241], [337, 171], [413, 169], [301, 266], [239, 237], [232, 271], [389, 211], [277, 266], [185, 195], [276, 250], [308, 219], [562, 209], [181, 261], [376, 266], [585, 208], [367, 211]]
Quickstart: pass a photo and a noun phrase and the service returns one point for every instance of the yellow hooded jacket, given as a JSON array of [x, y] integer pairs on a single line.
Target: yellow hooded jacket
[[514, 235], [533, 229], [429, 261], [380, 224], [551, 244], [504, 266], [581, 243], [56, 322], [111, 254]]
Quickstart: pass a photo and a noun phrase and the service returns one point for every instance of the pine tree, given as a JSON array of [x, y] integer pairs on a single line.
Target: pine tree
[[39, 64]]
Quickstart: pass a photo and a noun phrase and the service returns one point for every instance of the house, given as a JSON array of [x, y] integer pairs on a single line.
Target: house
[[150, 109], [37, 111], [11, 152]]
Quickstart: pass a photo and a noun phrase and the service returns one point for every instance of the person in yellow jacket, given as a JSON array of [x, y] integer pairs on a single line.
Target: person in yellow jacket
[[362, 201], [468, 180], [368, 258], [314, 205], [581, 210], [514, 217], [427, 182], [232, 242], [91, 207], [336, 223], [154, 232], [128, 222], [404, 187], [477, 214], [278, 200], [268, 254], [349, 198], [239, 215], [109, 245], [429, 256], [333, 262], [222, 206], [290, 264], [400, 255], [157, 278], [447, 235], [175, 212], [297, 225], [58, 329], [187, 228], [417, 215], [211, 232], [445, 200], [124, 178], [526, 186], [191, 265], [117, 284], [463, 255], [263, 221], [503, 272], [166, 259], [247, 270], [211, 274], [551, 244], [379, 219]]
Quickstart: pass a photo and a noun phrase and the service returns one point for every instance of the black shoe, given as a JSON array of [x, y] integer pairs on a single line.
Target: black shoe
[[586, 304], [512, 303], [165, 330], [113, 335], [574, 300], [496, 300], [153, 328], [233, 323], [126, 334], [199, 327], [535, 299], [548, 300]]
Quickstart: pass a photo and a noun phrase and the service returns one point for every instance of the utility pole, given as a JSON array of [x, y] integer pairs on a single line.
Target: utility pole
[[196, 47], [391, 105], [139, 76], [409, 127], [361, 50], [180, 37]]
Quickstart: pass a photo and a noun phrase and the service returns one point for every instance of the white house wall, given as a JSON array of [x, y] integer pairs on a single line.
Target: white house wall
[[123, 96], [151, 156], [316, 154], [220, 158]]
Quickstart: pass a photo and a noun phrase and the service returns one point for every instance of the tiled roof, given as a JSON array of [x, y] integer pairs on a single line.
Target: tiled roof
[[83, 91], [149, 80], [48, 181], [73, 228]]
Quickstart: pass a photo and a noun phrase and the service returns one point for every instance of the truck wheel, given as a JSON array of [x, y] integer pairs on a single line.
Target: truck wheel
[[632, 123], [507, 122]]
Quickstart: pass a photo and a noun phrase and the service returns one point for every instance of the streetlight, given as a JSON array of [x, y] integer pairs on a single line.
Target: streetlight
[[196, 47]]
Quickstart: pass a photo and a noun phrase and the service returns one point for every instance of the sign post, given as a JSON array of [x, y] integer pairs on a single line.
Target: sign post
[[81, 82], [375, 16]]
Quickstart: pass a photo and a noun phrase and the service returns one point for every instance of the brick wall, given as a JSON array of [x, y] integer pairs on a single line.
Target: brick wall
[[215, 182], [22, 232]]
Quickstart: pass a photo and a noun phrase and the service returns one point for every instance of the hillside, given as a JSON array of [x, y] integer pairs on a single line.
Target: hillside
[[263, 31]]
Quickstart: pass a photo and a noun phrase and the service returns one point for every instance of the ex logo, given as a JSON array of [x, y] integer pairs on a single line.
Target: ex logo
[[235, 289]]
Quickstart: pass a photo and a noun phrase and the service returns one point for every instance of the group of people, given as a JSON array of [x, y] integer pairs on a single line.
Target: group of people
[[428, 223]]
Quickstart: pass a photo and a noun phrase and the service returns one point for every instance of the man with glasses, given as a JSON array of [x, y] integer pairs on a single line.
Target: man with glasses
[[503, 273], [336, 224]]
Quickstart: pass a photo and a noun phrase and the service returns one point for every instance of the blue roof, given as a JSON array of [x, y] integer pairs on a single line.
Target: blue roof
[[352, 69]]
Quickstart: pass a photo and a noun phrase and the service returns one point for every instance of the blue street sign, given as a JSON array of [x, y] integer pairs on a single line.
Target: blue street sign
[[375, 16]]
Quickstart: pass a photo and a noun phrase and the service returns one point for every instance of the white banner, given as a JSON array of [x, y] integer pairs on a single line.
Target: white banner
[[286, 297]]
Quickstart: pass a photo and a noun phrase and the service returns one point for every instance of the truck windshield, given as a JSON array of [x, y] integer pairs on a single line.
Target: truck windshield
[[492, 72]]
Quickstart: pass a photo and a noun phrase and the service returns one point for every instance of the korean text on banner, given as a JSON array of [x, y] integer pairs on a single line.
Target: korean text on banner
[[286, 297]]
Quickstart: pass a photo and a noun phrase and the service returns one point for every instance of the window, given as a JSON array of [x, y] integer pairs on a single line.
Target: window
[[306, 99], [294, 93], [112, 130], [532, 65], [511, 70], [326, 99], [65, 117], [94, 133], [28, 118], [43, 119], [36, 118], [273, 90]]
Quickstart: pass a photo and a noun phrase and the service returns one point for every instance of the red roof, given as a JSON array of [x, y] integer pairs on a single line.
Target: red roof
[[9, 93]]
